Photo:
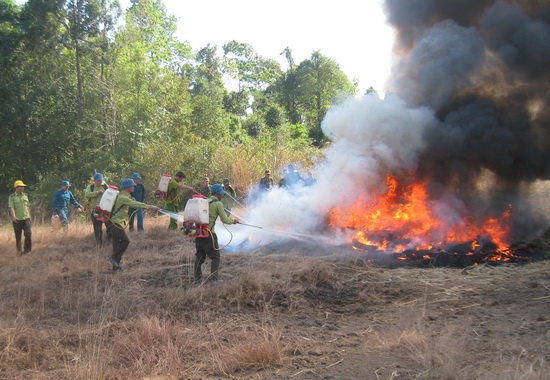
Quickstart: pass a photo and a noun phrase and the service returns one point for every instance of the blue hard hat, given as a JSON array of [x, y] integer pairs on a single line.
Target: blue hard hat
[[218, 189], [136, 176], [128, 182], [65, 183], [98, 177]]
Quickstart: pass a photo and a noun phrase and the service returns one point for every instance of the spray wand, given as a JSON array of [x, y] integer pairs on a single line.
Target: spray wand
[[250, 225], [239, 203], [179, 217], [279, 231], [193, 190]]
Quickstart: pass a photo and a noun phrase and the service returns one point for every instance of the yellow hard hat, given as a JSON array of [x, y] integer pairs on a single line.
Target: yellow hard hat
[[19, 183]]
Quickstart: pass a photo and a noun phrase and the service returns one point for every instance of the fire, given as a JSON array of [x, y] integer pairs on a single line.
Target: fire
[[405, 218]]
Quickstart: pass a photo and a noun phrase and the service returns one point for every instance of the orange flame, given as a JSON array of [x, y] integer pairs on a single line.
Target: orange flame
[[405, 218]]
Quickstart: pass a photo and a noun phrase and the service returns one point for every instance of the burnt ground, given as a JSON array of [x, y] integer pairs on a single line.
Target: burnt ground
[[331, 312], [382, 317]]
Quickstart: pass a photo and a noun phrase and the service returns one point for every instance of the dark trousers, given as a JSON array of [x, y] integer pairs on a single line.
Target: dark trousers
[[98, 230], [207, 247], [120, 241], [23, 227]]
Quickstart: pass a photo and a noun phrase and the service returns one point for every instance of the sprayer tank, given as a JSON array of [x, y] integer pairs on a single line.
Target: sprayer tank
[[164, 181], [108, 198], [196, 209]]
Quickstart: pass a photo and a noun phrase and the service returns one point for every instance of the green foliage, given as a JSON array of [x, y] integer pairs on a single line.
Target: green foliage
[[236, 103], [255, 125], [371, 91], [83, 91], [237, 132], [274, 116], [318, 82], [251, 71]]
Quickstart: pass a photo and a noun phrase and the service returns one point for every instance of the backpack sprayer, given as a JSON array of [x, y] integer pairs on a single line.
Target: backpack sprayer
[[196, 217], [104, 210], [162, 191]]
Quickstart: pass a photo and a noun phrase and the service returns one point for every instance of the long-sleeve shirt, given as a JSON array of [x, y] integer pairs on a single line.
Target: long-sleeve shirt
[[228, 199], [139, 192], [215, 209], [93, 193], [174, 193], [122, 204], [62, 199], [266, 184]]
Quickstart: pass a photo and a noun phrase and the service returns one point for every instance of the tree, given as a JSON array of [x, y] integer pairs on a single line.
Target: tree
[[209, 120], [318, 82], [10, 40], [252, 71], [152, 100]]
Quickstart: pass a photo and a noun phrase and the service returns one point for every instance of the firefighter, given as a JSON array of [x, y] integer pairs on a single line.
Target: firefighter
[[61, 200], [19, 206], [266, 182], [205, 189], [118, 220], [138, 195], [173, 200], [228, 199], [208, 246], [93, 192]]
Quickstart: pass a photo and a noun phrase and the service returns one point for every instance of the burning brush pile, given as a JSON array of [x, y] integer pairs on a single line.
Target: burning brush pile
[[403, 225], [449, 158], [441, 170]]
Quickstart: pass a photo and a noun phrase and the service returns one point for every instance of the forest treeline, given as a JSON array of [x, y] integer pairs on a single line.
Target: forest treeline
[[86, 87]]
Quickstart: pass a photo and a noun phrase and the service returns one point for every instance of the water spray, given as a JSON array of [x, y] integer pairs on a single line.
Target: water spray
[[173, 215], [180, 218], [282, 232]]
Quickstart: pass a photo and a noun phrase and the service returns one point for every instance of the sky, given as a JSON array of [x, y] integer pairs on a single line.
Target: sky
[[356, 37]]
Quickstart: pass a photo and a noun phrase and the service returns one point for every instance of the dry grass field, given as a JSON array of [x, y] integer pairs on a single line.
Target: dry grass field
[[292, 313]]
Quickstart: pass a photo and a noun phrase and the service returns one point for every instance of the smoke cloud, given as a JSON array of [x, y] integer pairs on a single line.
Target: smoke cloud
[[466, 112]]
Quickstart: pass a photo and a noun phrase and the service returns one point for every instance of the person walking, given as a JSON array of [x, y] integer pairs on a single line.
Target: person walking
[[208, 246], [93, 193], [61, 200], [266, 182], [138, 195], [228, 199], [173, 199], [118, 220], [19, 206]]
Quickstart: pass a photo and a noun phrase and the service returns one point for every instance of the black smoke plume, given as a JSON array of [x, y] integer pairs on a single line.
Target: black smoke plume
[[484, 68]]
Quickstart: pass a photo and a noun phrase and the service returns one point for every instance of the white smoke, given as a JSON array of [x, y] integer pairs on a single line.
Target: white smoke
[[371, 138]]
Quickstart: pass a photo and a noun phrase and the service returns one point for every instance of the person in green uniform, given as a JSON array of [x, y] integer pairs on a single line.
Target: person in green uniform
[[93, 193], [266, 182], [205, 188], [228, 199], [208, 246], [18, 204], [173, 200], [118, 220]]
